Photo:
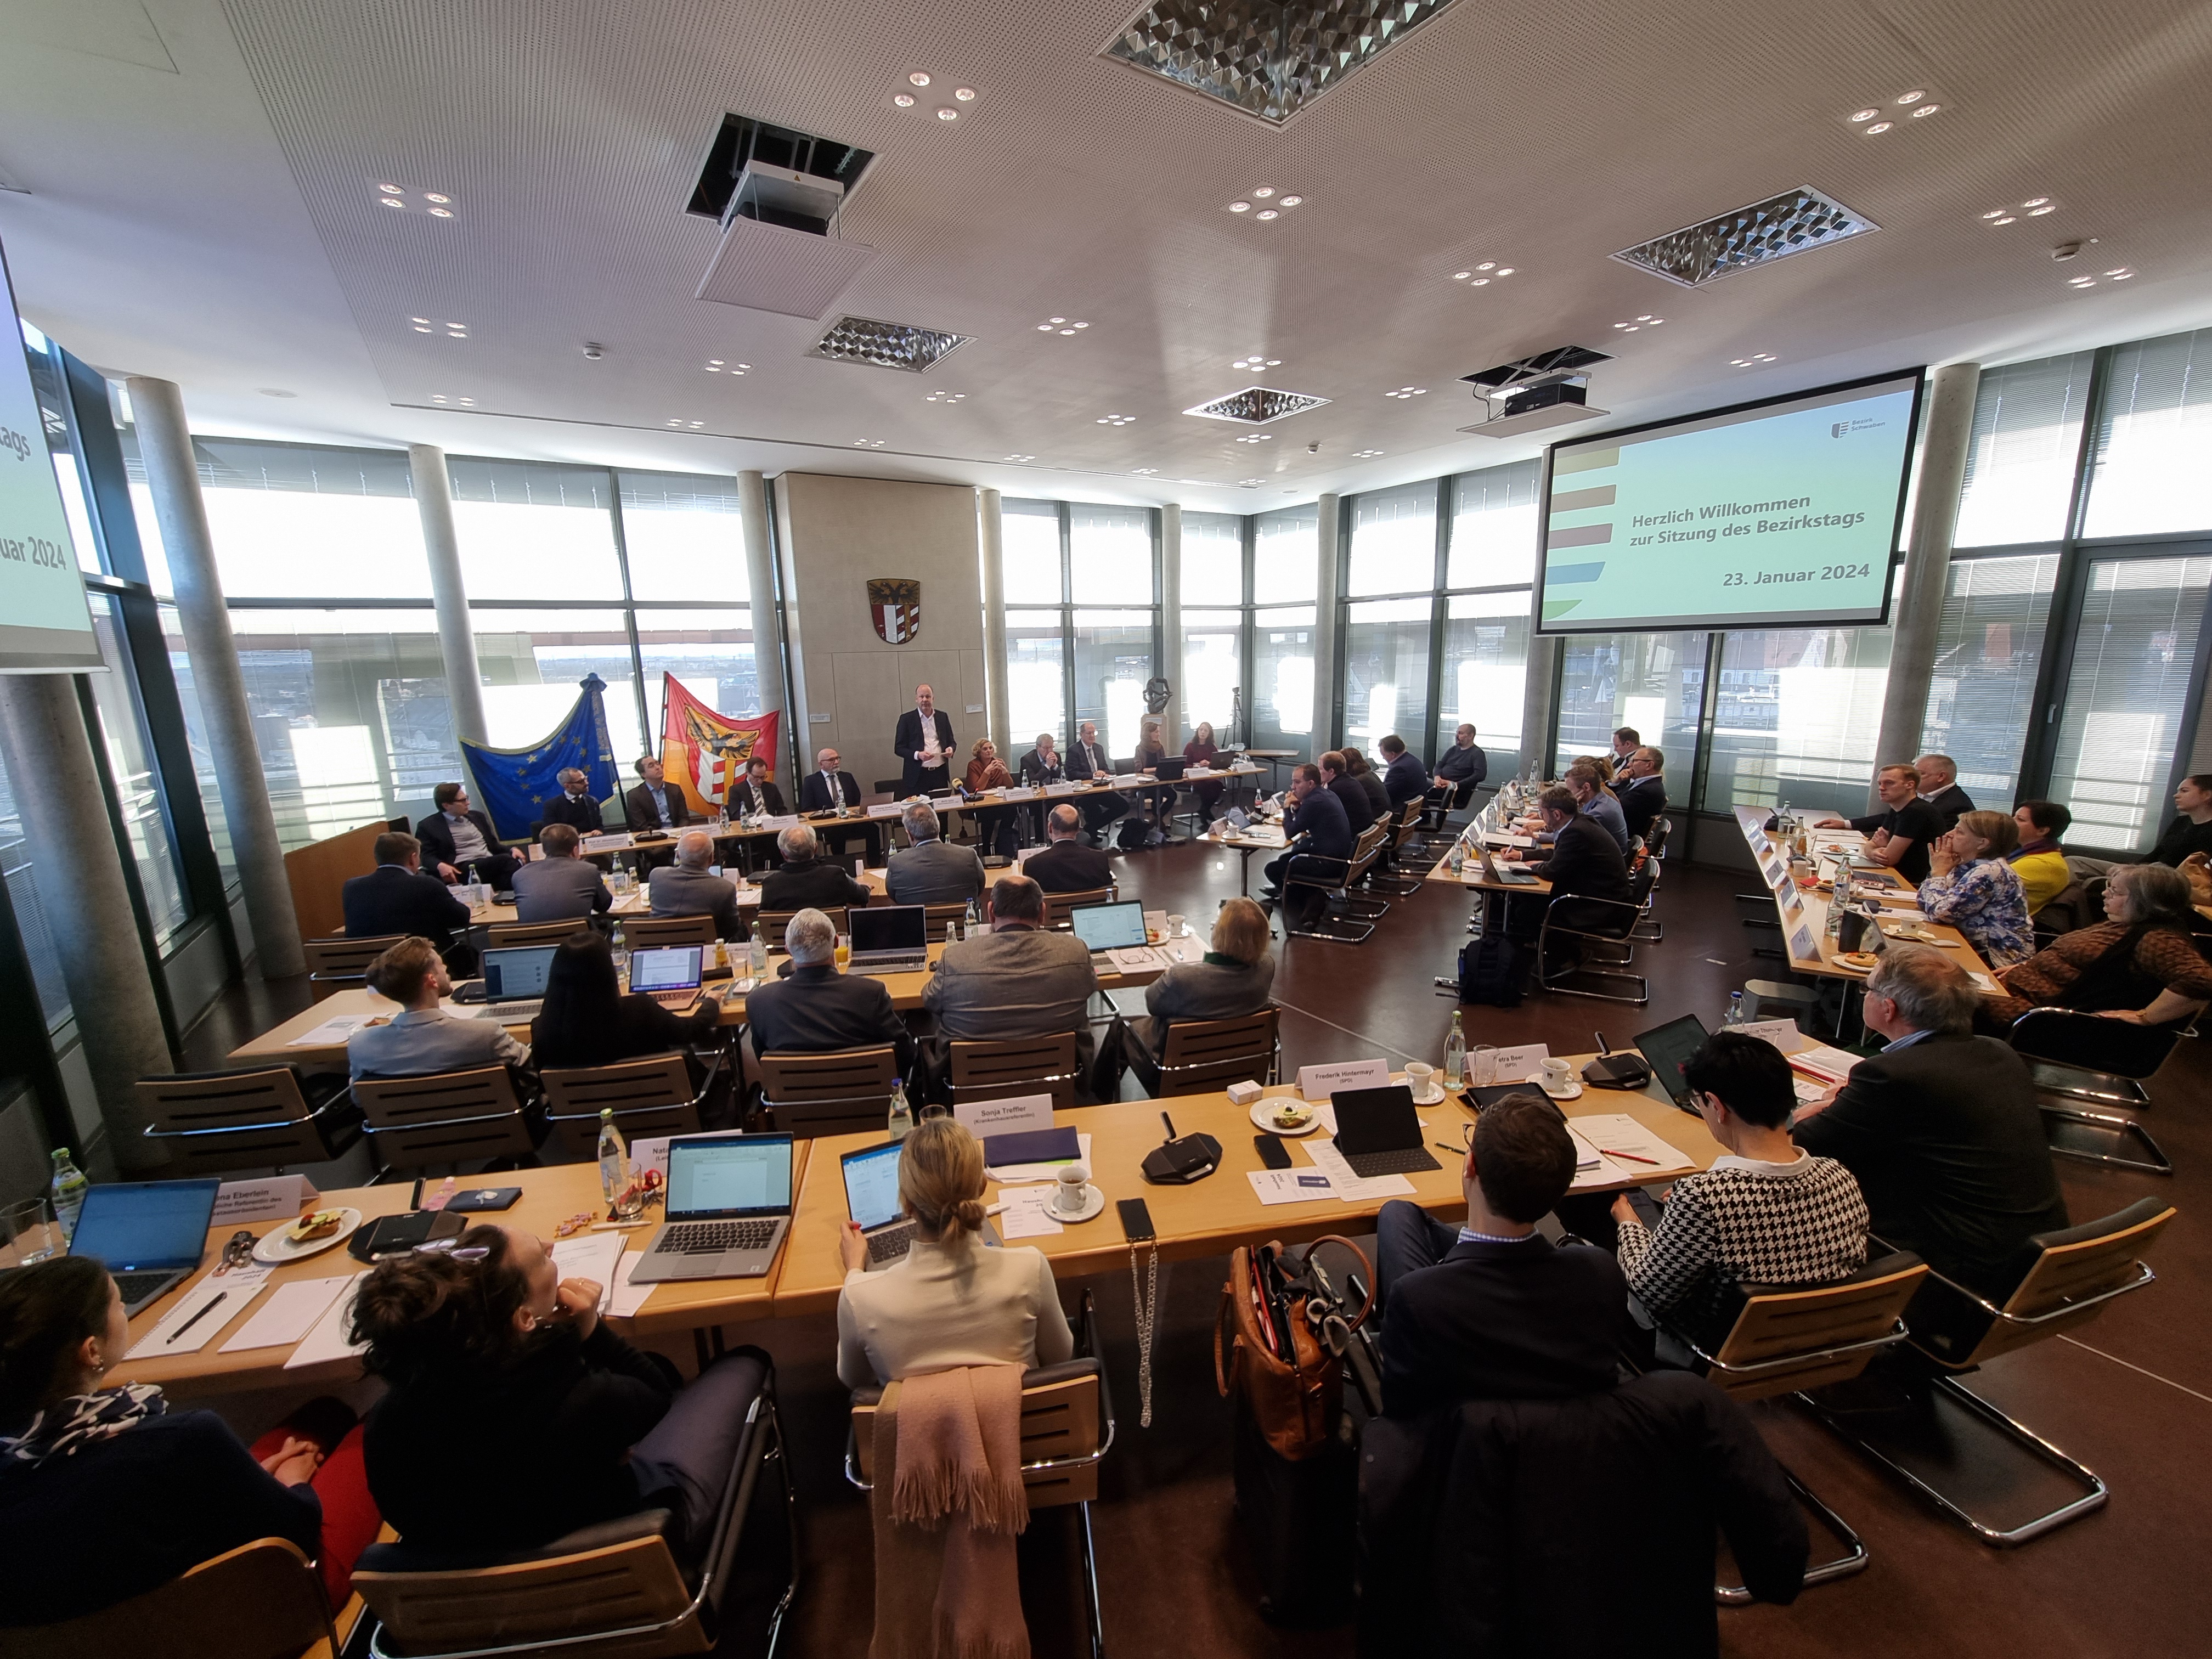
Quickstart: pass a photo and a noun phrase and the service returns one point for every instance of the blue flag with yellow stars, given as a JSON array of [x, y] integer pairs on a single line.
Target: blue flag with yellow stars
[[514, 785]]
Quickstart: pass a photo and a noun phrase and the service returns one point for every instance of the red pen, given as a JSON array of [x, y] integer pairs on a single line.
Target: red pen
[[1630, 1157]]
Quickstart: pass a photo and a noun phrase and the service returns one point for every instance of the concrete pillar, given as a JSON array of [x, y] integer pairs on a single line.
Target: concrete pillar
[[165, 444], [1172, 624], [1945, 439], [457, 640], [79, 871], [991, 538], [1327, 579], [1537, 698], [768, 621]]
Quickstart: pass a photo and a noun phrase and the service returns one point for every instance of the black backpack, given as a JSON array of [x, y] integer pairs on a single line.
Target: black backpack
[[1491, 971]]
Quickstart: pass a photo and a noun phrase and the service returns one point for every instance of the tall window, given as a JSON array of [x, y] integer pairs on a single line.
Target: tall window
[[531, 531], [303, 521], [196, 738], [683, 536], [1385, 669], [1654, 682], [1982, 698], [533, 663], [37, 938], [137, 781], [2148, 475], [1484, 680], [2020, 463], [1285, 567], [1795, 716], [1212, 645], [1095, 648], [1494, 526]]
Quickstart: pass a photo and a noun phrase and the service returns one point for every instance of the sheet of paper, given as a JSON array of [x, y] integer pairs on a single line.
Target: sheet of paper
[[189, 1326], [1348, 1186], [1587, 1157], [1134, 958], [1624, 1139], [1047, 1171], [1506, 838], [1028, 1213], [1290, 1186], [327, 1341], [595, 1256], [1518, 1065], [624, 1300], [1002, 1117], [1834, 1064], [291, 1311], [331, 1033]]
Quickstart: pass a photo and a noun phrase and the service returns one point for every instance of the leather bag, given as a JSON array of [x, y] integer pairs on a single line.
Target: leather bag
[[1279, 1338]]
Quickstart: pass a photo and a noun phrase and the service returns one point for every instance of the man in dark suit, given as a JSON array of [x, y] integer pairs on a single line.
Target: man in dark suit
[[826, 789], [924, 746], [1087, 759], [756, 792], [1641, 789], [690, 887], [1040, 766], [1493, 1310], [932, 871], [1315, 826], [457, 835], [657, 803], [396, 897], [806, 879], [575, 806], [1404, 777], [1583, 859], [559, 887], [816, 1009], [1941, 1128], [1940, 791], [1066, 865], [1336, 777]]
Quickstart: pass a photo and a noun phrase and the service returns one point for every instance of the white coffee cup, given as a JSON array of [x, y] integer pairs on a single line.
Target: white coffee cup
[[1559, 1077], [1418, 1077], [1174, 926], [1072, 1195]]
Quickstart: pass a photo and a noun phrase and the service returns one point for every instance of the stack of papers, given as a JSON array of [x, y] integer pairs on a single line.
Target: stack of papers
[[327, 1340], [1829, 1065], [1623, 1150], [1290, 1186], [1028, 1213], [595, 1256]]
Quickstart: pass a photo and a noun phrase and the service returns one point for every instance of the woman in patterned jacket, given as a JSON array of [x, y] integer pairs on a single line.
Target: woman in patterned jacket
[[1767, 1214], [1971, 887]]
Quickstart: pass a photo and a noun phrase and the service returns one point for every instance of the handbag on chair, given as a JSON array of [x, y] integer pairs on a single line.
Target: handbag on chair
[[1284, 1346]]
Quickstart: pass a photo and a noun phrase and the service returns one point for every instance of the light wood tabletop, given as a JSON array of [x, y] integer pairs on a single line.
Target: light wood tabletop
[[550, 1196], [1209, 1216]]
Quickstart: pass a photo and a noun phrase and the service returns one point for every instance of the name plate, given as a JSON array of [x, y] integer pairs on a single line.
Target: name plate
[[1802, 945], [616, 843], [887, 809], [1519, 1065], [1062, 789], [1781, 1033], [1320, 1082], [999, 1117], [1790, 900], [1017, 792], [946, 803], [275, 1197], [787, 820]]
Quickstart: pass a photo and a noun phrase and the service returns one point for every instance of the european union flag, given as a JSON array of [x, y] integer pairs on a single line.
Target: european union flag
[[514, 785]]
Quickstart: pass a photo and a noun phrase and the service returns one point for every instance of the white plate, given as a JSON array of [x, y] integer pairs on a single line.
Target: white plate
[[278, 1247], [1573, 1090], [1262, 1114], [1091, 1212]]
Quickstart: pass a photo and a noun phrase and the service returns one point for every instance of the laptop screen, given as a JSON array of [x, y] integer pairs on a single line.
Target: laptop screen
[[888, 927], [749, 1175], [517, 971], [1376, 1120], [666, 968], [872, 1194], [1667, 1046], [1108, 926], [145, 1224]]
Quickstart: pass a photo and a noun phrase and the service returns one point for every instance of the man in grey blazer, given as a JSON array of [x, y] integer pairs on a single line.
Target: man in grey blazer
[[932, 871], [422, 1039], [561, 886], [1016, 981], [688, 888]]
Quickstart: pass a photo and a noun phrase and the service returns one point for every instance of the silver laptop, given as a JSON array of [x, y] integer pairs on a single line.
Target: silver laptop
[[1493, 871], [871, 1198], [514, 981], [669, 974], [1104, 927], [889, 939], [149, 1235], [729, 1207]]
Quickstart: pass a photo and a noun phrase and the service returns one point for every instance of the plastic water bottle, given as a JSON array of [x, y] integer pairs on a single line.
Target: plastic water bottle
[[614, 1158], [971, 925], [1734, 1015], [756, 953], [69, 1187], [901, 1114], [1455, 1054]]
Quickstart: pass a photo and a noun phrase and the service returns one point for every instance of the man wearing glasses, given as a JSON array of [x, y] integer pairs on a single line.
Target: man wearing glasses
[[827, 789]]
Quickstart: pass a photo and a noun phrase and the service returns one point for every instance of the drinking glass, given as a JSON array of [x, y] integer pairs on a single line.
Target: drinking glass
[[1482, 1065], [844, 952], [30, 1233]]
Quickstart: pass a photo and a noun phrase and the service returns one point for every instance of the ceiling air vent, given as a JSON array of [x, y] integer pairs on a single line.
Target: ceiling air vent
[[1792, 222], [886, 346], [1257, 405], [776, 193], [1264, 59]]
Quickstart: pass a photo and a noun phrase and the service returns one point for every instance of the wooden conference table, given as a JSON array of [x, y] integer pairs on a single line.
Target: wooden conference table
[[636, 902], [1204, 1219]]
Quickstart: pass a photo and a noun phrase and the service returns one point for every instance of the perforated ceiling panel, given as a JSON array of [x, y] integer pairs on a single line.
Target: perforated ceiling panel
[[766, 267], [567, 137]]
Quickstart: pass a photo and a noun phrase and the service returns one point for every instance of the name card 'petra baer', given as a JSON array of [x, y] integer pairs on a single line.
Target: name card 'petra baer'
[[1320, 1082], [999, 1117]]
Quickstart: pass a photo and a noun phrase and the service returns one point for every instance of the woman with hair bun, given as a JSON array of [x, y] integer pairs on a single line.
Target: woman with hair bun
[[515, 1416], [950, 1301]]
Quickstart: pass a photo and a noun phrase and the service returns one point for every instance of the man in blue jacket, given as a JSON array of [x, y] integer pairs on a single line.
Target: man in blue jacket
[[1404, 777], [1318, 832]]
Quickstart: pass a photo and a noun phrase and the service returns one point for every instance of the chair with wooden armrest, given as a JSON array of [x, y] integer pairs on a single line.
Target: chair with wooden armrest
[[651, 1095], [1022, 1065], [774, 923], [1950, 1437], [452, 1117], [844, 1091], [502, 935], [335, 964], [2104, 1062], [1057, 906], [226, 1122], [260, 1601], [650, 933], [939, 920], [1201, 1055], [1067, 1429], [618, 1588]]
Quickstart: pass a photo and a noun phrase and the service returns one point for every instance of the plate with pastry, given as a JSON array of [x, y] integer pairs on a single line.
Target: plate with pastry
[[1282, 1116], [311, 1234], [1861, 962]]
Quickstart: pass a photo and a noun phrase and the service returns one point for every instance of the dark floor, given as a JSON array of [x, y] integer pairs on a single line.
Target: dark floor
[[2132, 1398]]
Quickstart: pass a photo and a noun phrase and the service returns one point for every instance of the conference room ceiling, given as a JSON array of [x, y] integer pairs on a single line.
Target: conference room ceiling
[[199, 199]]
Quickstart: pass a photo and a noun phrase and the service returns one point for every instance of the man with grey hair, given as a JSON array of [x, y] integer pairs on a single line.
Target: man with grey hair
[[815, 1009], [1066, 865], [807, 878], [1941, 1128], [1939, 788], [1640, 787], [575, 806], [932, 871], [690, 887], [1018, 981]]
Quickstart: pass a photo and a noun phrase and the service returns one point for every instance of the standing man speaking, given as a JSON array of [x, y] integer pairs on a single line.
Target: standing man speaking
[[924, 744]]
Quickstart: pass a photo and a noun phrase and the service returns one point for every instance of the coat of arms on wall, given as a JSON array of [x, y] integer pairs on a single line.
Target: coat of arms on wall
[[896, 605]]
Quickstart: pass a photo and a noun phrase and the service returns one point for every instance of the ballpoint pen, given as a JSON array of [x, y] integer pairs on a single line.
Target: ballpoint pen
[[220, 1296]]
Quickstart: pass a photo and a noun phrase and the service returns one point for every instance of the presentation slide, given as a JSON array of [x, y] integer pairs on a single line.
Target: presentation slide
[[45, 625], [1783, 512]]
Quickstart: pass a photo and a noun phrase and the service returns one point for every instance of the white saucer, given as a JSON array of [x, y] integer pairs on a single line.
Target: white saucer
[[1091, 1211], [278, 1247], [1263, 1113], [1574, 1091], [1436, 1099]]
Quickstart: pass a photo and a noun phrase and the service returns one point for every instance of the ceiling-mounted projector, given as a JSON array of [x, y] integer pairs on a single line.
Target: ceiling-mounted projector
[[1549, 388]]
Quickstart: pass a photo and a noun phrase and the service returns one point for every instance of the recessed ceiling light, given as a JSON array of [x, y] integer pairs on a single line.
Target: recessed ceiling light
[[1487, 264], [904, 100], [1505, 271], [1257, 361], [422, 328], [441, 213], [1879, 127], [437, 397], [1994, 213], [1249, 484], [1264, 191], [1114, 420], [741, 368], [867, 443], [2121, 274], [1864, 115], [1021, 458], [2036, 202], [1267, 213], [2009, 219], [948, 113], [1914, 97], [391, 201], [675, 422], [695, 425], [2037, 213], [1293, 201], [965, 94], [1926, 109], [433, 195], [1408, 392], [1364, 454], [389, 190], [1635, 323], [919, 78], [1240, 207], [1143, 471], [1257, 438], [468, 402], [1461, 275], [418, 319], [1752, 360], [941, 396], [1479, 282]]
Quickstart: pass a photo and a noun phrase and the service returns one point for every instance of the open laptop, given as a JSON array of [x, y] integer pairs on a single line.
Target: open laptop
[[513, 986], [149, 1235], [669, 974], [729, 1207], [1104, 927], [1379, 1132], [889, 939], [1171, 771], [1665, 1048], [871, 1198], [1493, 871]]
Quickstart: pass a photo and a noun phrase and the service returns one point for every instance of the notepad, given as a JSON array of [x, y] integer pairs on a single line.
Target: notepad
[[290, 1313], [328, 1341], [201, 1312]]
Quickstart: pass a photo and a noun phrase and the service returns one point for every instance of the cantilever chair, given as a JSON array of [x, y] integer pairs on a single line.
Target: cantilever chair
[[652, 1095], [1608, 925], [1024, 1066], [843, 1092], [2101, 1062], [452, 1117], [222, 1122], [260, 1601], [1201, 1055], [335, 964]]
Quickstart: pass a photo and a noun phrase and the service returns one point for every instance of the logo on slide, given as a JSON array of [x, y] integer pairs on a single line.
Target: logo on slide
[[1844, 428], [894, 604]]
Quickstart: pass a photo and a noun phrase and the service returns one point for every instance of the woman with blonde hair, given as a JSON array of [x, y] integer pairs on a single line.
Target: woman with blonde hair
[[1972, 887], [985, 771], [1233, 979], [949, 1302]]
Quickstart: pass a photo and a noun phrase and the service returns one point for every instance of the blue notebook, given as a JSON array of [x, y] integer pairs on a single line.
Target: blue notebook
[[1031, 1146]]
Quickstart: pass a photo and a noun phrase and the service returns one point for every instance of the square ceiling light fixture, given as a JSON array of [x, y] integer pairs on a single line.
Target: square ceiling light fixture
[[886, 346], [1257, 405], [1792, 222], [1264, 59]]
